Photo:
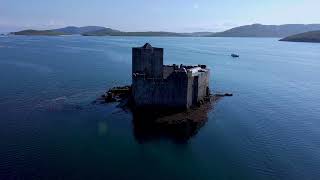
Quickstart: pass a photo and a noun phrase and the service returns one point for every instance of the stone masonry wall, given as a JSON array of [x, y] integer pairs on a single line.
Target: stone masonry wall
[[169, 93]]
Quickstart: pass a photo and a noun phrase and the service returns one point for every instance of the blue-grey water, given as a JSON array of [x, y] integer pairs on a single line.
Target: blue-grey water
[[49, 129]]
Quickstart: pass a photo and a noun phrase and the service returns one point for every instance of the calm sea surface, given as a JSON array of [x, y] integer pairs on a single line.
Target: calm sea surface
[[49, 129]]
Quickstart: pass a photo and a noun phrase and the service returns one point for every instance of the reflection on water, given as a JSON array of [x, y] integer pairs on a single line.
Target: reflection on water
[[179, 127], [148, 130]]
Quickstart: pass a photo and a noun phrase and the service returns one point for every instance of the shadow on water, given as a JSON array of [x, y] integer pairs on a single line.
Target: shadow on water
[[178, 126]]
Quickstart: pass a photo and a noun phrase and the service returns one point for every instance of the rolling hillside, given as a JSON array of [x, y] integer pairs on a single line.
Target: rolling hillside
[[313, 36], [259, 30]]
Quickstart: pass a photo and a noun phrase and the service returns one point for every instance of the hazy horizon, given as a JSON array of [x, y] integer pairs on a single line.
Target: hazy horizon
[[143, 15]]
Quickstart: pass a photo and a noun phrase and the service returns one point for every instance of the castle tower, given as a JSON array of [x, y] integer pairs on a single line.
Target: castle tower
[[148, 60]]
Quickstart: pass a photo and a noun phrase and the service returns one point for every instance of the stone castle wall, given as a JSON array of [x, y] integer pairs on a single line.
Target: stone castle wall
[[156, 85], [148, 61], [169, 93]]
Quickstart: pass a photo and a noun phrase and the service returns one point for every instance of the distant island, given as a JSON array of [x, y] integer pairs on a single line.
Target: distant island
[[312, 36], [259, 30], [79, 30], [102, 32], [254, 30], [70, 30], [39, 33]]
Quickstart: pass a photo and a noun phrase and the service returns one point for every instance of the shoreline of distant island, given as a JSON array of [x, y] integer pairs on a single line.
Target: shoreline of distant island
[[254, 30]]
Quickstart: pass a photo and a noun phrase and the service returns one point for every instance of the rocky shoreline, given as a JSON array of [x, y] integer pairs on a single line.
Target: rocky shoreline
[[122, 95]]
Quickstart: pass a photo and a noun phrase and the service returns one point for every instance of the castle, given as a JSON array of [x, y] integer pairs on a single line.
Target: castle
[[166, 86]]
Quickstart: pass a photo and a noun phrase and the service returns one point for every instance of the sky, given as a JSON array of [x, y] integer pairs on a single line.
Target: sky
[[151, 15]]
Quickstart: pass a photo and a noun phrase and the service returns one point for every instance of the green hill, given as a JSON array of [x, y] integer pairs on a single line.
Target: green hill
[[62, 31], [31, 32], [79, 30], [312, 36], [102, 32], [259, 30]]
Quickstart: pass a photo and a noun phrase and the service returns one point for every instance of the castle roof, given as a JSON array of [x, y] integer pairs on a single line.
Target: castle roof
[[147, 46]]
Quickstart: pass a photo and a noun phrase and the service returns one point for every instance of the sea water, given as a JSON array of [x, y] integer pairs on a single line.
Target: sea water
[[50, 129]]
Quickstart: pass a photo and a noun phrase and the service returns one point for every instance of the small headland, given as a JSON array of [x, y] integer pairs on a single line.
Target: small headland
[[312, 37]]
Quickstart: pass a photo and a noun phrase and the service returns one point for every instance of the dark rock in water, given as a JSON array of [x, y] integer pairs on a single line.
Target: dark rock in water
[[227, 94], [235, 55], [116, 94], [224, 95]]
